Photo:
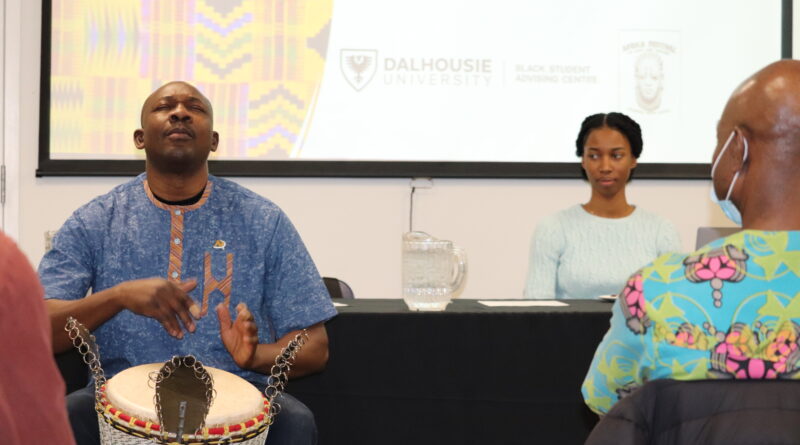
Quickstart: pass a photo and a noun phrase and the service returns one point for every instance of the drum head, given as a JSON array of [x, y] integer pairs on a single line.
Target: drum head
[[235, 398]]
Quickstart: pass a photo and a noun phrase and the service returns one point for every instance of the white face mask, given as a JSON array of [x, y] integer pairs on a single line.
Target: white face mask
[[727, 206]]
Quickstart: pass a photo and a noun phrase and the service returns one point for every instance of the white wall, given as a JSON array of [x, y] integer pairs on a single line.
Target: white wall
[[353, 226]]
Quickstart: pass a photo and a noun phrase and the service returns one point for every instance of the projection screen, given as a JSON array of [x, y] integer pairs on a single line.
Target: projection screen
[[458, 88]]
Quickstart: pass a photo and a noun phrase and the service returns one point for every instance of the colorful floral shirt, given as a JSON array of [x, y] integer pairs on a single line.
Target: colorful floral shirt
[[727, 311]]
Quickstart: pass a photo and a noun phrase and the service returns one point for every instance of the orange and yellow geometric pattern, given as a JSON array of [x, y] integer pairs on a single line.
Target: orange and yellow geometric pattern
[[259, 62]]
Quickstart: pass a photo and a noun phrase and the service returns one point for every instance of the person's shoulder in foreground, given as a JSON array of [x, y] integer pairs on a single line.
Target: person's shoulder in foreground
[[658, 329], [731, 309], [32, 403]]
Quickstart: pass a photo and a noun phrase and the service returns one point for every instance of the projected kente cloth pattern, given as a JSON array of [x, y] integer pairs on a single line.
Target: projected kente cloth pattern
[[122, 50]]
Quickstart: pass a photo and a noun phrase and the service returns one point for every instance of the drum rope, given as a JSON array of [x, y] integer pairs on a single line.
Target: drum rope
[[279, 373], [86, 344]]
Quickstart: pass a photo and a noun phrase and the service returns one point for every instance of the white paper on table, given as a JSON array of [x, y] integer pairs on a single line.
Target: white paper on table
[[517, 303], [339, 304]]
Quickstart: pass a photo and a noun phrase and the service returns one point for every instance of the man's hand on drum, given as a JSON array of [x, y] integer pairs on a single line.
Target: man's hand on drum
[[240, 336], [166, 301]]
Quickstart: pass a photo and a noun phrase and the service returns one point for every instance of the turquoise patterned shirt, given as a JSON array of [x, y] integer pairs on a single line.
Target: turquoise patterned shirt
[[727, 311]]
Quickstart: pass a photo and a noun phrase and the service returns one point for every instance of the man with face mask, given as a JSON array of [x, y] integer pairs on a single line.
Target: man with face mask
[[731, 309]]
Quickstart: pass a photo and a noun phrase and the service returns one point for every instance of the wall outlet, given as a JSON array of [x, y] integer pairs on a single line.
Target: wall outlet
[[48, 239]]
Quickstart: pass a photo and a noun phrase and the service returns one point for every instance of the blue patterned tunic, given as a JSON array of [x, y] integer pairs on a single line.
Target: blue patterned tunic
[[239, 247], [729, 310]]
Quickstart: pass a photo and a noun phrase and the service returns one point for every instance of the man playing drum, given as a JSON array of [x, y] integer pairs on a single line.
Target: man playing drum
[[168, 256]]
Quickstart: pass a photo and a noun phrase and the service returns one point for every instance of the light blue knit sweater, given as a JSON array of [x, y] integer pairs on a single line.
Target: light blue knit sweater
[[575, 254]]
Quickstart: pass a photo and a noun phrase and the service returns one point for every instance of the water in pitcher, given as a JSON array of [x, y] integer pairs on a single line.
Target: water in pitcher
[[427, 279]]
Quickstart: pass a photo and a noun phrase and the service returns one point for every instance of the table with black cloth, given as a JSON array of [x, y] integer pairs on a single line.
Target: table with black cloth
[[469, 375]]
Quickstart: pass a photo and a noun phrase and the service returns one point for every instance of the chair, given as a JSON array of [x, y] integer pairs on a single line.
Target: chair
[[338, 288], [708, 412], [707, 234], [73, 370]]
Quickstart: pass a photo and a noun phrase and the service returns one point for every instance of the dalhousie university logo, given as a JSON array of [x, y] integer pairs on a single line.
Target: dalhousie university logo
[[359, 66]]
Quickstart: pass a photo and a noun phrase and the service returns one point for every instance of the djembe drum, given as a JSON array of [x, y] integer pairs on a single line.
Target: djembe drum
[[181, 401], [239, 413]]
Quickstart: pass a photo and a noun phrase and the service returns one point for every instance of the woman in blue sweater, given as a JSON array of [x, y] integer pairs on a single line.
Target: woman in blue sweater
[[589, 250]]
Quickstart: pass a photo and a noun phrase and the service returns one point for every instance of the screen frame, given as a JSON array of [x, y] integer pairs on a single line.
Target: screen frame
[[355, 169]]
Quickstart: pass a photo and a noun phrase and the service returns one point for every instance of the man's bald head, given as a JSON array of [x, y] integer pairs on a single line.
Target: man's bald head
[[767, 105], [761, 125], [157, 94], [177, 131]]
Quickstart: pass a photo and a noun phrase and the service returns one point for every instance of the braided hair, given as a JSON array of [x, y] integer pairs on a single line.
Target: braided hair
[[618, 121]]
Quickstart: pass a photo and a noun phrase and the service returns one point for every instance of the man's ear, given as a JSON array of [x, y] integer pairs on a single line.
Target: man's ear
[[138, 139], [634, 163], [214, 140], [742, 148]]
